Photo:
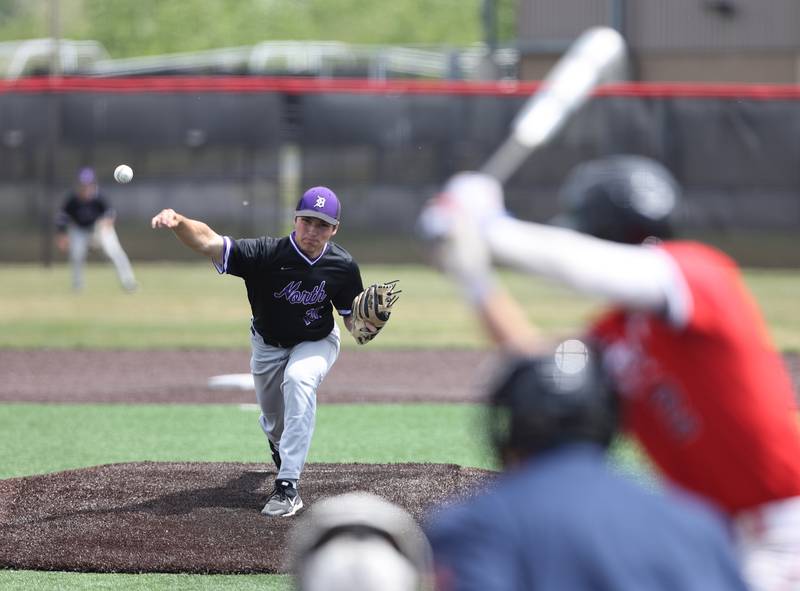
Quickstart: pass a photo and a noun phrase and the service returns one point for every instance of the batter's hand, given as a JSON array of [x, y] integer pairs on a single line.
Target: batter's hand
[[455, 223], [166, 218], [471, 196]]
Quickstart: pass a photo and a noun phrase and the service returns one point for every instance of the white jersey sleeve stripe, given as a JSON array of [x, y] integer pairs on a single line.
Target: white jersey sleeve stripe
[[226, 251]]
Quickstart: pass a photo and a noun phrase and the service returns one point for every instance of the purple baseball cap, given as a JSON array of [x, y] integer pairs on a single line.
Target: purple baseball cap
[[319, 202], [86, 176]]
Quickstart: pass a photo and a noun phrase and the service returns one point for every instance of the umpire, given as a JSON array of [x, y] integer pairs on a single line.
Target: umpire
[[293, 283], [559, 518]]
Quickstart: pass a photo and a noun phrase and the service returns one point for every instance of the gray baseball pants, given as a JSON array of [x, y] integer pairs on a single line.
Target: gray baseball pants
[[105, 237], [286, 381]]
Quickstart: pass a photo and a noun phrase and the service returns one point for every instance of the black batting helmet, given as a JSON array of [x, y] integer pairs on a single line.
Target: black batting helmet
[[549, 400], [623, 198]]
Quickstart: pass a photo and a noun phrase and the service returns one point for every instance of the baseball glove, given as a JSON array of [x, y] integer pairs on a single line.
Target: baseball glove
[[371, 310]]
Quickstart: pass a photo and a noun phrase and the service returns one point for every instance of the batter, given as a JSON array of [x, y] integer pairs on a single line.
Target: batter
[[703, 387]]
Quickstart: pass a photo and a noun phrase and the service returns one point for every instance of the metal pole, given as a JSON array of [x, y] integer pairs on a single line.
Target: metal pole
[[290, 160], [618, 16], [55, 36], [290, 164], [489, 20], [619, 21], [53, 133]]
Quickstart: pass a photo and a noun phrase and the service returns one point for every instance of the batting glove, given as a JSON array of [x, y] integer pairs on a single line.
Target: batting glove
[[455, 221]]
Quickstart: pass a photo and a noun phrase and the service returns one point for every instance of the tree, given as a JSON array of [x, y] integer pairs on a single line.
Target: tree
[[146, 27]]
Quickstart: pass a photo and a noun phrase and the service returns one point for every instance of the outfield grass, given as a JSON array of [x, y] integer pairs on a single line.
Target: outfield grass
[[189, 306], [778, 294]]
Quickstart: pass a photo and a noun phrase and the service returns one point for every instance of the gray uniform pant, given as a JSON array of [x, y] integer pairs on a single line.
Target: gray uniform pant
[[286, 381], [104, 237]]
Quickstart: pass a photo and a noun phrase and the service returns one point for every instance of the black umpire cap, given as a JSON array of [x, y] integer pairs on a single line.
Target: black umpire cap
[[541, 402]]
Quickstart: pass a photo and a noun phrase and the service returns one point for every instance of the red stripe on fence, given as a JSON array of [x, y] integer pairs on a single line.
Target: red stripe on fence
[[246, 84]]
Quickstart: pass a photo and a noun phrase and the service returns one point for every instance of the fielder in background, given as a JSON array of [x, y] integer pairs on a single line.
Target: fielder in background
[[85, 221], [359, 541], [293, 283], [703, 388], [559, 518]]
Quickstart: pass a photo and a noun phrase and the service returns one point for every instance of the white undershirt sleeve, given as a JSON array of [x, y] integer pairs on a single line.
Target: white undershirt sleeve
[[632, 276], [222, 266]]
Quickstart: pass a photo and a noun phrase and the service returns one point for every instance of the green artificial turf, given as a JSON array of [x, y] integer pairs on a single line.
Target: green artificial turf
[[27, 580], [40, 438]]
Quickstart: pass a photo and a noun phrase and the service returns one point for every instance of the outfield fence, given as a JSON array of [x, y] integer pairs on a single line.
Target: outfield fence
[[235, 151]]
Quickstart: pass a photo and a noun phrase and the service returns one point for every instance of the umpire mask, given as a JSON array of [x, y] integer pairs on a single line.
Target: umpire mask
[[538, 403]]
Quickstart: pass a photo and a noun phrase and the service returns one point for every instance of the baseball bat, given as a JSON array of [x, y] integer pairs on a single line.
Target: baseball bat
[[596, 57]]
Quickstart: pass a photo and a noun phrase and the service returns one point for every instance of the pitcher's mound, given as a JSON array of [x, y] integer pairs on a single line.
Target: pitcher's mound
[[188, 517]]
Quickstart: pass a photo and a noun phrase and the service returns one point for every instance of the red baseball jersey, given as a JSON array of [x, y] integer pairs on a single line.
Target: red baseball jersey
[[709, 398]]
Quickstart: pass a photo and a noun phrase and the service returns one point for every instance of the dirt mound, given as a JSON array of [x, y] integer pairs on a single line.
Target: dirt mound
[[188, 517]]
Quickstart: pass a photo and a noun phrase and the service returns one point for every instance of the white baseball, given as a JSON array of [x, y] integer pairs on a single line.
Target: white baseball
[[123, 173]]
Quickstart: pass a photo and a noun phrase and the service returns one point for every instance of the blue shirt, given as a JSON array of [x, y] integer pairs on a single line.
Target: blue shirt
[[565, 521]]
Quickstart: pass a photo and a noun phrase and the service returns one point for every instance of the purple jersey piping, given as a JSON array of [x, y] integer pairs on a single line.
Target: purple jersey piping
[[300, 252]]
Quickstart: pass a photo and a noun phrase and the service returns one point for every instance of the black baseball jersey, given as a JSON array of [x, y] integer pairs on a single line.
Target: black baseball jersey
[[291, 296], [82, 212]]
